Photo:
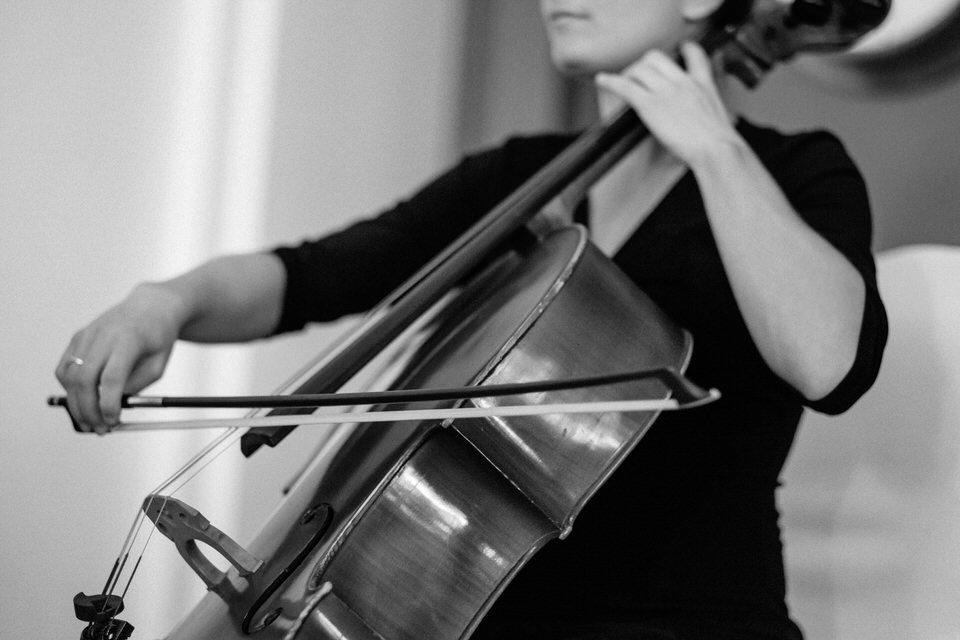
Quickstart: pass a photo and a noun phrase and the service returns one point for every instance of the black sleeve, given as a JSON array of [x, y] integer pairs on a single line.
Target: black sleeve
[[351, 270], [828, 191]]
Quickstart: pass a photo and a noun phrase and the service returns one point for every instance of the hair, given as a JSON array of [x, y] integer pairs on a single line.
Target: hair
[[731, 12]]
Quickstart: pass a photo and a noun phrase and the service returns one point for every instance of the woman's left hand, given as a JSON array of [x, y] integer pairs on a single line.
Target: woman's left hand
[[682, 108]]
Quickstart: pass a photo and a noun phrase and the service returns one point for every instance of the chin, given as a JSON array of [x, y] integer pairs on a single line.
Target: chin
[[578, 63], [573, 56]]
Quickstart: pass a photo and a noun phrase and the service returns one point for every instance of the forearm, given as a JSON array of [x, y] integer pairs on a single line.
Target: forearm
[[801, 299], [229, 299]]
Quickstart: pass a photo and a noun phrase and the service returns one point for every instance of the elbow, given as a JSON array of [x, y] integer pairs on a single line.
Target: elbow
[[819, 385], [822, 376], [836, 374], [838, 387], [826, 369]]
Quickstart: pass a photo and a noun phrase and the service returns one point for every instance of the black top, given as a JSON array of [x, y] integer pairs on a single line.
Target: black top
[[687, 528]]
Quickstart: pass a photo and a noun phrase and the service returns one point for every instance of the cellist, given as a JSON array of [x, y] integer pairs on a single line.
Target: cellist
[[756, 241]]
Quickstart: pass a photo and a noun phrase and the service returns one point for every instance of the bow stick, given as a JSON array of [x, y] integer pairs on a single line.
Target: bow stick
[[685, 395]]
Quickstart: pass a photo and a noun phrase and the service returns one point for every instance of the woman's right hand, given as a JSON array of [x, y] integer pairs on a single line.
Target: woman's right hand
[[121, 352], [232, 298]]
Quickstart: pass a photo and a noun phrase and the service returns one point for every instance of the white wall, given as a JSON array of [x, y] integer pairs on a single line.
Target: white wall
[[137, 138]]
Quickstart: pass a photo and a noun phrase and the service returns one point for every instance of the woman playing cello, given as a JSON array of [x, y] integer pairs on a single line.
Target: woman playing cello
[[757, 242]]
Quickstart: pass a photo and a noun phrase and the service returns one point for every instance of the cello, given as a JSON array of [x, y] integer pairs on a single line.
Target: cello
[[422, 541]]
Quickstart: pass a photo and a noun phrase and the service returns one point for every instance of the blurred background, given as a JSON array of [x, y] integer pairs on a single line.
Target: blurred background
[[140, 138]]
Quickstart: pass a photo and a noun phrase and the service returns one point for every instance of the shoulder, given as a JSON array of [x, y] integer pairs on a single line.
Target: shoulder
[[483, 177], [803, 159], [776, 147], [518, 157]]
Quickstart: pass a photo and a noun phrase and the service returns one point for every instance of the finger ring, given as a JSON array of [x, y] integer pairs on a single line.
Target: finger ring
[[75, 360]]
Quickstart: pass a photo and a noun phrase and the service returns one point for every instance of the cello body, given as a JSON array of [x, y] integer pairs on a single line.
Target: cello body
[[412, 530]]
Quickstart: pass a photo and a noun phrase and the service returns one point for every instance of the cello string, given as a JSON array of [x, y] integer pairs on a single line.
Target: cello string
[[223, 441], [212, 457], [121, 561], [209, 455], [113, 571], [146, 542], [138, 522], [124, 556]]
